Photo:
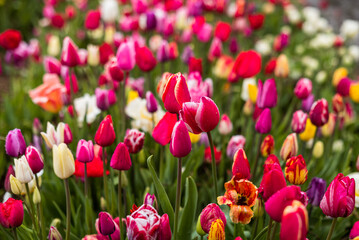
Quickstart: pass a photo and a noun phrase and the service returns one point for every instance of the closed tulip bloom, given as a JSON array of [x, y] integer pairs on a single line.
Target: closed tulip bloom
[[236, 142], [114, 71], [85, 151], [16, 186], [319, 113], [343, 86], [145, 59], [195, 65], [267, 146], [270, 66], [264, 122], [126, 56], [204, 33], [273, 180], [338, 75], [225, 125], [34, 159], [354, 92], [282, 67], [11, 213], [52, 65], [54, 234], [240, 166], [163, 131], [281, 41], [180, 145], [209, 214], [283, 198], [63, 161], [307, 103], [299, 121], [67, 134], [23, 171], [200, 117], [294, 223], [256, 20], [328, 128], [105, 134], [290, 147], [93, 55], [105, 98], [339, 199], [106, 223], [267, 94], [217, 230], [296, 170], [165, 228], [303, 88], [247, 64], [151, 102], [309, 131], [15, 145], [208, 155], [7, 185], [92, 20], [222, 30], [69, 54], [215, 49], [316, 191], [338, 104], [121, 159], [134, 140], [175, 93], [10, 39], [106, 53], [354, 232]]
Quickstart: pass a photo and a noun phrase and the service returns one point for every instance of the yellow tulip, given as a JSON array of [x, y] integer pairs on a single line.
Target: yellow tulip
[[194, 137], [93, 57], [63, 161], [132, 95], [216, 231], [318, 149], [36, 197], [109, 33], [354, 92], [338, 75], [253, 92], [309, 131], [282, 67], [17, 187]]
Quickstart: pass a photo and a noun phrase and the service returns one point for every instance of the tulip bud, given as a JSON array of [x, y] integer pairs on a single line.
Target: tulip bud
[[105, 134], [208, 155], [318, 149], [92, 20], [354, 232], [290, 147], [307, 103], [233, 45], [309, 131], [16, 186], [264, 122], [236, 142], [67, 134], [328, 128], [248, 108], [84, 151], [267, 146], [343, 86], [225, 125], [199, 229], [299, 121], [240, 68], [52, 65], [54, 234], [319, 113], [180, 145], [294, 222], [217, 230], [303, 88], [240, 166], [126, 56], [69, 54], [195, 65], [11, 213], [134, 140], [121, 158], [338, 75], [316, 190], [145, 59], [106, 223], [23, 171], [34, 159], [53, 45], [210, 214], [7, 185], [258, 208], [267, 94], [354, 92], [93, 57], [296, 170], [273, 179], [151, 102], [15, 145], [165, 228], [222, 31], [282, 66], [338, 104], [103, 203], [63, 161], [36, 197]]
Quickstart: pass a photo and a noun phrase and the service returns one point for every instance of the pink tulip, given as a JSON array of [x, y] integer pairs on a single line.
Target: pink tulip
[[319, 113], [215, 50], [15, 145], [34, 159], [307, 103], [240, 166], [69, 54], [7, 185], [67, 134], [299, 121], [303, 88], [105, 98], [204, 33], [151, 102], [209, 214], [121, 159], [126, 56], [106, 224], [164, 232], [163, 131], [200, 117], [236, 142], [114, 236], [225, 125], [355, 231], [180, 145], [294, 223], [339, 199], [343, 86], [84, 151], [162, 54], [134, 140], [264, 122], [267, 94], [52, 65], [11, 213]]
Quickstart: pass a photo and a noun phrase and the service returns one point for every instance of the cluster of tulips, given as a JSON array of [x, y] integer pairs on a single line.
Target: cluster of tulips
[[123, 80]]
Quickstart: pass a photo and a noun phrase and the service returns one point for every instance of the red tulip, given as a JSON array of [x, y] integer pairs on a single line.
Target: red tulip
[[11, 213], [105, 134], [338, 104], [294, 223], [106, 52], [115, 71], [10, 39], [270, 67], [195, 65], [273, 180], [222, 31], [163, 130], [92, 20], [180, 145], [145, 59], [267, 146], [121, 159], [256, 20], [296, 170], [247, 64], [240, 166], [208, 155], [94, 168], [57, 21]]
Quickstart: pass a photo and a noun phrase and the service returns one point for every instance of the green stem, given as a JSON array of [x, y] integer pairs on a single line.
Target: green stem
[[332, 229], [214, 168], [162, 152], [238, 231], [68, 209], [32, 208], [269, 229], [86, 183], [255, 166], [123, 104], [254, 233], [105, 177], [178, 196], [275, 224], [259, 236], [120, 202], [14, 233], [41, 216]]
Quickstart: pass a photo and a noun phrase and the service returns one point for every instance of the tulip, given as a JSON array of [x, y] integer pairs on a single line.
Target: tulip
[[309, 131], [53, 45], [57, 21], [316, 191], [10, 39], [163, 131], [36, 197], [134, 140], [63, 161], [339, 199], [195, 65], [282, 66], [164, 229], [294, 223], [11, 213], [264, 122], [319, 113], [34, 159], [92, 20], [104, 98], [303, 88], [175, 93], [296, 170], [163, 52], [338, 104], [7, 184], [109, 11], [217, 230], [215, 49], [54, 234], [338, 75], [67, 134], [105, 134], [204, 33], [172, 51], [52, 65], [240, 166], [281, 41], [151, 102], [210, 214], [290, 147], [233, 45], [328, 128], [283, 198], [15, 145], [106, 223], [180, 145], [208, 154], [354, 232], [187, 54], [126, 56], [106, 53], [85, 151], [273, 180], [270, 66], [236, 142], [299, 121], [267, 146], [343, 87], [145, 59], [256, 21], [150, 199], [307, 103], [267, 94], [247, 64], [16, 186], [225, 125], [121, 158], [354, 92], [222, 31], [200, 117], [69, 54], [23, 171], [93, 55]]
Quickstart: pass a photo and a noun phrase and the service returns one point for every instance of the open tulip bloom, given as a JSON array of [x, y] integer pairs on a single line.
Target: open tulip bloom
[[176, 120]]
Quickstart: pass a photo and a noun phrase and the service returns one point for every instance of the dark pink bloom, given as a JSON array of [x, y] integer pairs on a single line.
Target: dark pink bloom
[[121, 159], [11, 213], [343, 86], [34, 159], [267, 94], [15, 145], [236, 142], [180, 145], [106, 224], [264, 122], [69, 54], [84, 151], [52, 65], [319, 112], [163, 131], [134, 140], [211, 213], [303, 88], [355, 231]]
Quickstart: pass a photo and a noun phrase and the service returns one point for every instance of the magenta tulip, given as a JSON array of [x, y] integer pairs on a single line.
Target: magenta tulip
[[267, 94], [180, 145], [264, 122], [85, 151], [121, 159], [34, 159]]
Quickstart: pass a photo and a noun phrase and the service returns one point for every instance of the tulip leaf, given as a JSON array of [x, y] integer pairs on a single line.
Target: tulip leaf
[[162, 195], [189, 211]]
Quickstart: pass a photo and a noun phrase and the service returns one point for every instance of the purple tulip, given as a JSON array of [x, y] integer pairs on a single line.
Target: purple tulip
[[151, 102], [106, 224], [316, 191], [307, 103], [15, 145]]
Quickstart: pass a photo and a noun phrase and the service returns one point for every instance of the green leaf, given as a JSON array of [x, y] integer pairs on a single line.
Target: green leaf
[[162, 195], [188, 215]]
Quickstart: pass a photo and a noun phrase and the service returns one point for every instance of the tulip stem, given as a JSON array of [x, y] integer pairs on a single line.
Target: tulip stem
[[109, 236], [239, 231], [31, 209], [14, 233], [269, 229], [41, 216], [123, 104], [120, 202], [275, 224], [261, 233], [178, 196], [105, 177], [332, 228], [68, 209], [255, 166], [162, 150], [214, 168], [86, 183], [311, 149]]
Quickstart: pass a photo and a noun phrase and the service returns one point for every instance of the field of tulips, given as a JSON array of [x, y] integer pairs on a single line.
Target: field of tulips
[[172, 119]]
